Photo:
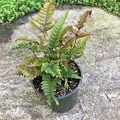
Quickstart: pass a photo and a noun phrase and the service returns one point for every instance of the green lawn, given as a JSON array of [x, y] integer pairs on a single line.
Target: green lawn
[[13, 9]]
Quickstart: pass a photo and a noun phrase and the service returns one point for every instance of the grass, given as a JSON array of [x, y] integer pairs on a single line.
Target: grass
[[13, 9], [113, 6]]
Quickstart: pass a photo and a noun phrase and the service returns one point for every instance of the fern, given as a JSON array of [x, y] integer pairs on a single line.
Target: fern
[[52, 52]]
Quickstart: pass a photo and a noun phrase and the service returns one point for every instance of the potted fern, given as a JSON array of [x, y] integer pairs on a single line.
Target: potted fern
[[51, 68]]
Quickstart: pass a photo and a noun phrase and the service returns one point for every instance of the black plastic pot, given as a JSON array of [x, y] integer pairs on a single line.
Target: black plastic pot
[[67, 101]]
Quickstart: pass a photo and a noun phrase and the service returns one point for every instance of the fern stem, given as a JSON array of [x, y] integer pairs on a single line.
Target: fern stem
[[34, 53], [65, 85]]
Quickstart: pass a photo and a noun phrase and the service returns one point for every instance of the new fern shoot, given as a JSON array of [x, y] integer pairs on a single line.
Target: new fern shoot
[[57, 49]]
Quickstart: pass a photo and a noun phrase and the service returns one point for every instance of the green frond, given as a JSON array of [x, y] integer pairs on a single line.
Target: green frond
[[23, 45], [49, 87], [43, 22], [56, 31], [29, 72], [35, 47], [55, 36], [51, 68], [69, 73], [53, 88], [76, 51], [46, 86]]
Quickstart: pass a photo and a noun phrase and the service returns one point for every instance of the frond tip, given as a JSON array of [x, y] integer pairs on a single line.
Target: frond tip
[[52, 51], [43, 22], [83, 19]]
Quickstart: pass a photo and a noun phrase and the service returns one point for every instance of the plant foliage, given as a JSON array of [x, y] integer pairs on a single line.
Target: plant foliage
[[57, 48], [112, 6], [13, 9]]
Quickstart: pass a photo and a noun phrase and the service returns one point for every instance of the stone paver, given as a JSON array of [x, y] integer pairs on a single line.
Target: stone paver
[[99, 95]]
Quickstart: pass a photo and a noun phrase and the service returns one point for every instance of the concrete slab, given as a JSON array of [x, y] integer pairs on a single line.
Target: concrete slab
[[99, 95]]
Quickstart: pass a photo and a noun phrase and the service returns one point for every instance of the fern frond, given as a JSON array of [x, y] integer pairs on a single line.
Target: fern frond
[[29, 72], [26, 39], [69, 73], [36, 25], [43, 22], [46, 82], [82, 20], [23, 45], [51, 68], [56, 31], [49, 87], [76, 51], [72, 74], [55, 36], [64, 31], [69, 40]]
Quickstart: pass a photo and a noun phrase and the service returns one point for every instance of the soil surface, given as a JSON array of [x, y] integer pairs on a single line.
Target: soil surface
[[60, 89]]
